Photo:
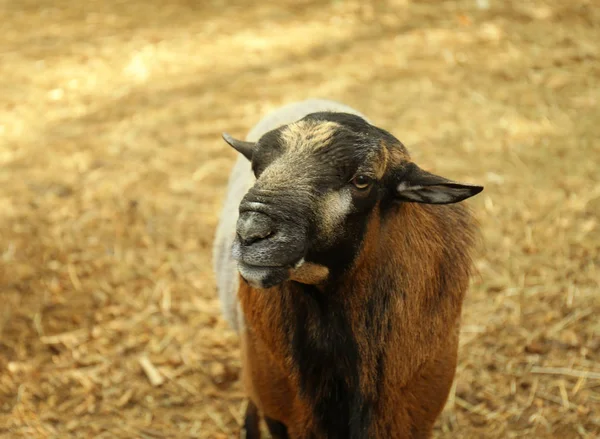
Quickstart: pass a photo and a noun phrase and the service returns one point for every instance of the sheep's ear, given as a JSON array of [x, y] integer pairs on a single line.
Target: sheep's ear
[[419, 186], [241, 146]]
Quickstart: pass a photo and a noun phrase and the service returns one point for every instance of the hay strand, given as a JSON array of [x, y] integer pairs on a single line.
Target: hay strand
[[154, 376], [564, 371]]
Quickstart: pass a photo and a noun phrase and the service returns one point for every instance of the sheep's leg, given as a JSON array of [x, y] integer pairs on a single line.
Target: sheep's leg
[[277, 429], [251, 428]]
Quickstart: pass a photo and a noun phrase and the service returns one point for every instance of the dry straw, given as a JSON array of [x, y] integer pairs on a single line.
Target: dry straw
[[112, 173]]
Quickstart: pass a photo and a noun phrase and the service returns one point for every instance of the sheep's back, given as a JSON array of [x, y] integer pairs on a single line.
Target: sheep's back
[[241, 180]]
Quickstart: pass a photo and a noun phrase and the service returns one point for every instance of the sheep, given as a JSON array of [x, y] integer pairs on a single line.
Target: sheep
[[343, 266]]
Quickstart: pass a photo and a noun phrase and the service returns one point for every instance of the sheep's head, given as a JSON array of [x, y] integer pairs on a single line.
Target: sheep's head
[[318, 180]]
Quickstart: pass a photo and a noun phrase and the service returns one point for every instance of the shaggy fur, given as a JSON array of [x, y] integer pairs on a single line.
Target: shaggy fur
[[365, 345]]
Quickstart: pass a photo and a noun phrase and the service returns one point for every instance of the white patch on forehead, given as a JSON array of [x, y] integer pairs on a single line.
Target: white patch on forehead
[[334, 208], [308, 135]]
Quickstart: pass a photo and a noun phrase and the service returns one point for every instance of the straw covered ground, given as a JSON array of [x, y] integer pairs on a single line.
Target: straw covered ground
[[112, 172]]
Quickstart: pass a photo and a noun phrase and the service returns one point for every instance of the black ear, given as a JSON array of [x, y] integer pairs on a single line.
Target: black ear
[[241, 146], [419, 186]]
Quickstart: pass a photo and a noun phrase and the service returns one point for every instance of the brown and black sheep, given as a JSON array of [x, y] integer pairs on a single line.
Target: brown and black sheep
[[343, 266]]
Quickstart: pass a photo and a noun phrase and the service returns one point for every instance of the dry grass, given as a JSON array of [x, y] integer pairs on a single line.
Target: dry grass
[[112, 174]]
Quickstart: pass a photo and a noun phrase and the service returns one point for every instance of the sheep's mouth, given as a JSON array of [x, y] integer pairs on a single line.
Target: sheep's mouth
[[268, 262], [261, 276]]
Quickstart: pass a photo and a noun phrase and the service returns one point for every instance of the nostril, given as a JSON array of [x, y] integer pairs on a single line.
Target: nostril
[[251, 239], [248, 238], [253, 226]]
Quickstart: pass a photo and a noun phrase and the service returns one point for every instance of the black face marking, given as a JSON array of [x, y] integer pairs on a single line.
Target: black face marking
[[339, 257]]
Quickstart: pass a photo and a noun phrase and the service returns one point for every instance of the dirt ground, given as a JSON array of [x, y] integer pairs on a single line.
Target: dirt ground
[[112, 173]]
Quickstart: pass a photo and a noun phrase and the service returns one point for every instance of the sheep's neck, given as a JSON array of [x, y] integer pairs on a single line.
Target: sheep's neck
[[336, 347], [332, 362]]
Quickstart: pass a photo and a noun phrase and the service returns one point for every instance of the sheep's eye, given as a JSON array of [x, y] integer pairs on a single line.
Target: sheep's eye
[[361, 181]]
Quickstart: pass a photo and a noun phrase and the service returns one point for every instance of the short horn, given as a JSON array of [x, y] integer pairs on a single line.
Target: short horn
[[241, 146]]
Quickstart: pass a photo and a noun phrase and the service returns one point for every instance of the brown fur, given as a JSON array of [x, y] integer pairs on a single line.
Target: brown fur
[[423, 251], [309, 273]]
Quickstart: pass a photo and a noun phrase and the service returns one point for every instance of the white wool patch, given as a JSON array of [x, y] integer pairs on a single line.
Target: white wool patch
[[335, 207]]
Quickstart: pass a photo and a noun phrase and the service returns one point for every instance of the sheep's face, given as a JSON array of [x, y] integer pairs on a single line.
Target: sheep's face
[[318, 181]]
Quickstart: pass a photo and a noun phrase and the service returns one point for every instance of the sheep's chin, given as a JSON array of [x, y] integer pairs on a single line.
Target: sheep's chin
[[263, 277], [268, 277]]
